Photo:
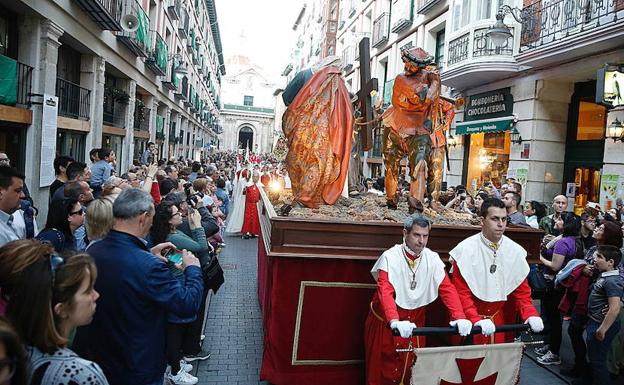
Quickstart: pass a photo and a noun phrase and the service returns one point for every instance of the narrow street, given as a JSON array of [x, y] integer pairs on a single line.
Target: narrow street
[[234, 326]]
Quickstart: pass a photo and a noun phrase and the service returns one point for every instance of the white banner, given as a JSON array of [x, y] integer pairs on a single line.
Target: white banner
[[497, 364], [48, 140]]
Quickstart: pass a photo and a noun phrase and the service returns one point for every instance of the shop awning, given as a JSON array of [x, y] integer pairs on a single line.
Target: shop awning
[[487, 125]]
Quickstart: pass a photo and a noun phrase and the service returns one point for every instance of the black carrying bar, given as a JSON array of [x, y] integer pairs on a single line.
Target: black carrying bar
[[427, 331]]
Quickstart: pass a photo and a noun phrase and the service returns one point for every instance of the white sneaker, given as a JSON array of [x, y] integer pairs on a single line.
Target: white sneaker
[[186, 366], [182, 378]]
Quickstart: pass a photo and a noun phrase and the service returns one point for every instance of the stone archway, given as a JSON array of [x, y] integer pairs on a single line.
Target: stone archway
[[246, 138]]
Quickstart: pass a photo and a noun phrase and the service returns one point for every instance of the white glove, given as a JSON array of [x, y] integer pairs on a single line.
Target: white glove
[[404, 327], [487, 327], [536, 324], [463, 326]]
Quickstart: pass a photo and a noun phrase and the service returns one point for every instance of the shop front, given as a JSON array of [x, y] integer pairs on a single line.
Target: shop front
[[585, 144], [488, 120]]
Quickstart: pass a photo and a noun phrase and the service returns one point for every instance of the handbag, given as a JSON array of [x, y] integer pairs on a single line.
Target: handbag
[[213, 274], [538, 284]]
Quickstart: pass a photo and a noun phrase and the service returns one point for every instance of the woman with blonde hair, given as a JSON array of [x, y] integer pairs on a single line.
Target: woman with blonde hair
[[48, 297], [99, 219]]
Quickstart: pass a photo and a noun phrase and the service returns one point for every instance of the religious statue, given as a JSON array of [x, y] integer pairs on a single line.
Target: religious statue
[[318, 124], [408, 124], [443, 119]]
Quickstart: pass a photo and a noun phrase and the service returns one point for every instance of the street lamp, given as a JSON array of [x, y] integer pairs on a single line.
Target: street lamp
[[516, 138], [500, 32], [615, 131]]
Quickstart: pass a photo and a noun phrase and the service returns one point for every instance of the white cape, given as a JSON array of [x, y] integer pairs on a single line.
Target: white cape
[[237, 215]]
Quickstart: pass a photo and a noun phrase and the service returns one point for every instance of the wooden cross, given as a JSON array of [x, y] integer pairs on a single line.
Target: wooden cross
[[367, 85]]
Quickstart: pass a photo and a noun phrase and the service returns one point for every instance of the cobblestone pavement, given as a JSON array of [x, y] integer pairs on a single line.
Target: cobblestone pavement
[[234, 326]]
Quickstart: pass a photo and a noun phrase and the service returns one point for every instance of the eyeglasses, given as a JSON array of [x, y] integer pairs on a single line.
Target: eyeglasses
[[5, 160], [79, 212], [177, 213], [55, 261]]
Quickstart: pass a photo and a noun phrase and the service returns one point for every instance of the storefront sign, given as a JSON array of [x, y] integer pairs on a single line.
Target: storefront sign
[[608, 190], [48, 140], [610, 87], [488, 105], [488, 125]]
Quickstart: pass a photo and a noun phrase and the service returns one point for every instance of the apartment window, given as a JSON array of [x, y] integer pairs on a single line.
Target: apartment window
[[439, 51], [461, 14], [484, 9], [248, 100]]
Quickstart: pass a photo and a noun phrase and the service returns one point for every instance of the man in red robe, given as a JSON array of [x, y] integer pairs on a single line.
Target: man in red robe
[[251, 222], [409, 277], [488, 269]]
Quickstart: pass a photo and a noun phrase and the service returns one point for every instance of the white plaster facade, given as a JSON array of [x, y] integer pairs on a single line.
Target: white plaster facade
[[248, 104]]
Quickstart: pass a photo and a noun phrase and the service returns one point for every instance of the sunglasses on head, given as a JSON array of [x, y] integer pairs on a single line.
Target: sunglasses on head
[[55, 261], [81, 211]]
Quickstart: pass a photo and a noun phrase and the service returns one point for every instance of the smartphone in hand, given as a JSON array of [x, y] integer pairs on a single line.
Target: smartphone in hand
[[174, 256]]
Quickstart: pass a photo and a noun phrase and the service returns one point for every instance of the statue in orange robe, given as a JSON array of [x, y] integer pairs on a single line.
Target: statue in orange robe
[[409, 122], [251, 221], [318, 126]]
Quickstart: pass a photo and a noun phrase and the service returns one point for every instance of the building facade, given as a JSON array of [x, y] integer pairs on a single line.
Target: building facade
[[531, 100], [96, 73], [530, 111], [247, 115]]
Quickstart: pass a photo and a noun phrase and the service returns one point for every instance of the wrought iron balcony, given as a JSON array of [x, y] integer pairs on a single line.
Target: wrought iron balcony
[[348, 58], [73, 101], [114, 113], [174, 9], [183, 25], [160, 127], [181, 92], [105, 13], [472, 57], [171, 80], [424, 6], [157, 59], [172, 132], [141, 117], [547, 23], [381, 30], [17, 83], [137, 41]]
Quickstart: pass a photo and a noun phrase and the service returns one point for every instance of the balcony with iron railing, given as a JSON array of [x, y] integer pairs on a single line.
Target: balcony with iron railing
[[425, 6], [171, 80], [16, 84], [472, 57], [348, 58], [562, 30], [172, 132], [184, 23], [138, 42], [105, 13], [73, 101], [115, 105], [173, 9], [158, 54], [141, 117], [381, 29]]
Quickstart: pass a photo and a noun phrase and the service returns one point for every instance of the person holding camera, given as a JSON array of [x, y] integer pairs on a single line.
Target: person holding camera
[[164, 229], [460, 202], [127, 337]]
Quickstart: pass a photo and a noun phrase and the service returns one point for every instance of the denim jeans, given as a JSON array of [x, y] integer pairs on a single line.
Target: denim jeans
[[597, 350]]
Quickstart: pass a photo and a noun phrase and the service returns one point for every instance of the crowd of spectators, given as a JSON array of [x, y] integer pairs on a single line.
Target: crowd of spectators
[[144, 247], [111, 288]]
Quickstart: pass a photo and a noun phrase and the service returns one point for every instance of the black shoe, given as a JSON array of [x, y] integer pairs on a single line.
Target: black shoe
[[202, 355]]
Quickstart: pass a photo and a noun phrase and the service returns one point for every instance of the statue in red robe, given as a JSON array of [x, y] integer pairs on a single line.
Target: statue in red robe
[[251, 221], [318, 126]]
